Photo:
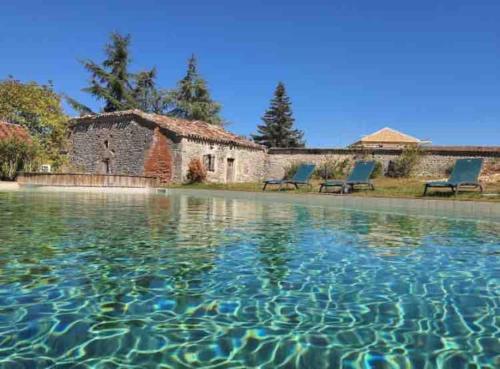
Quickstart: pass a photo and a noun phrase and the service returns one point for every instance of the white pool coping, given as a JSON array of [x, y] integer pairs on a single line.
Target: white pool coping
[[9, 186]]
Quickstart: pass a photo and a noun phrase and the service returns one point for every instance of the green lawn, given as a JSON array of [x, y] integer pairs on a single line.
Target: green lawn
[[384, 187]]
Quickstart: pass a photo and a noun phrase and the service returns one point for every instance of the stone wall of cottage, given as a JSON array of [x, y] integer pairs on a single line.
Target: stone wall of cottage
[[124, 147], [434, 162], [132, 148], [249, 165], [122, 144]]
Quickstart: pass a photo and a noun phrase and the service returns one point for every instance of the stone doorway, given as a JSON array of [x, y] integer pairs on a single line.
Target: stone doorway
[[230, 170], [105, 167]]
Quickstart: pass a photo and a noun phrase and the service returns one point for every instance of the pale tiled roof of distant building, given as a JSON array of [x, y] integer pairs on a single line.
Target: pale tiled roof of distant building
[[389, 135], [184, 128]]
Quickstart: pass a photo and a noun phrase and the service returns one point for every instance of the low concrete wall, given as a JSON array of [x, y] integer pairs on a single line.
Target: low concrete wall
[[86, 180], [434, 162]]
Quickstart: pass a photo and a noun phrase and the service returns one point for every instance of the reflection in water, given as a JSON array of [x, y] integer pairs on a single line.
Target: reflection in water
[[275, 247], [133, 281]]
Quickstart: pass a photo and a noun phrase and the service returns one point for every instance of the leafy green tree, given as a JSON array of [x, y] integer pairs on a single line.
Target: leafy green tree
[[191, 99], [38, 108], [277, 130], [17, 155], [113, 83]]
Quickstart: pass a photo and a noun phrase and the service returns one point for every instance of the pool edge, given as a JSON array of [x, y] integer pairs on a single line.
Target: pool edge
[[435, 207]]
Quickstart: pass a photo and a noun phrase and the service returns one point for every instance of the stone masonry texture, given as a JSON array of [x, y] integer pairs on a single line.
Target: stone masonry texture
[[434, 161], [124, 146], [249, 164], [127, 145]]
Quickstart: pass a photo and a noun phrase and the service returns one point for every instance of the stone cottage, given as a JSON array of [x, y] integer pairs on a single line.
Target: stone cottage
[[136, 143]]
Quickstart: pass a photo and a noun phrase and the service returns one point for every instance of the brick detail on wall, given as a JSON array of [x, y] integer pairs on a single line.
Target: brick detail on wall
[[158, 161]]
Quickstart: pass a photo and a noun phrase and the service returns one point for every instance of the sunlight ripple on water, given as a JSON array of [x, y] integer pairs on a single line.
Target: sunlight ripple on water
[[132, 281]]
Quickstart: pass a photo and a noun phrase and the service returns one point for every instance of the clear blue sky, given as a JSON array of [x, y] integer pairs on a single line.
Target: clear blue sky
[[430, 68]]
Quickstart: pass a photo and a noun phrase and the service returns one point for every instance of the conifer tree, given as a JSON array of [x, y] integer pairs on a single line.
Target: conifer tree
[[147, 97], [191, 99], [113, 83], [277, 129]]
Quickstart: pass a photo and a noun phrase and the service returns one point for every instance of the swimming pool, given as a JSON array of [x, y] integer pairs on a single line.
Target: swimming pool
[[179, 281]]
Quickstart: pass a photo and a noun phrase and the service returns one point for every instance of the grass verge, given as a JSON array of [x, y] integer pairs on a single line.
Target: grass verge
[[384, 187]]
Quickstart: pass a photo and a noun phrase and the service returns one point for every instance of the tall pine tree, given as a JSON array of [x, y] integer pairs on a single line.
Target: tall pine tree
[[278, 130], [147, 97], [191, 99], [113, 83]]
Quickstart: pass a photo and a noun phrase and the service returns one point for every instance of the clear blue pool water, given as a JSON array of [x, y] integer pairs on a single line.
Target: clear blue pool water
[[131, 281]]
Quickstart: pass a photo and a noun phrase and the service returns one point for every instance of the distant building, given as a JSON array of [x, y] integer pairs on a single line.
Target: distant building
[[136, 143], [9, 130], [388, 138]]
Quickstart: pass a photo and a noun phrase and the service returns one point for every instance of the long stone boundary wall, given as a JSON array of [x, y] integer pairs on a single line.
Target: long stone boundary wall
[[435, 160]]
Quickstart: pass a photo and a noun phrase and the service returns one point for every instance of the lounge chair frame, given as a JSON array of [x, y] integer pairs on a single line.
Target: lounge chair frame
[[295, 182], [349, 185], [286, 183], [455, 185]]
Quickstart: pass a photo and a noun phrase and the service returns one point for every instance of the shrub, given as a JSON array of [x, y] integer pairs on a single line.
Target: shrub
[[449, 169], [332, 169], [378, 171], [17, 155], [196, 171], [291, 169], [404, 165]]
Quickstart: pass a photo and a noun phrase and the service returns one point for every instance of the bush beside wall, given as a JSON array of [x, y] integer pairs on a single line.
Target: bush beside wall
[[404, 165], [15, 156], [196, 171], [378, 171], [333, 169]]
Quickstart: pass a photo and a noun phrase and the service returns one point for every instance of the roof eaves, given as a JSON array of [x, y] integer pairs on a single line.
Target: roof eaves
[[170, 126]]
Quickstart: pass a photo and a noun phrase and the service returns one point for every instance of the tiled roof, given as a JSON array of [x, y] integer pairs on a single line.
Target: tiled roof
[[8, 130], [197, 130], [389, 135]]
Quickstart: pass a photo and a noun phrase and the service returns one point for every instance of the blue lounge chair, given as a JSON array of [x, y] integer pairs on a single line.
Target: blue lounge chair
[[360, 175], [301, 177], [465, 174]]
